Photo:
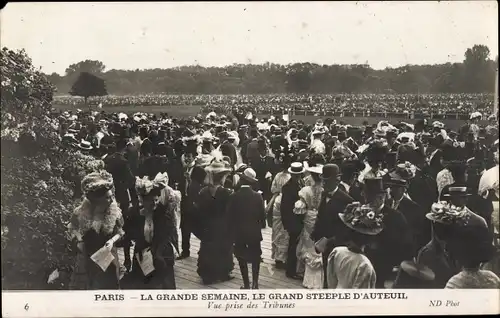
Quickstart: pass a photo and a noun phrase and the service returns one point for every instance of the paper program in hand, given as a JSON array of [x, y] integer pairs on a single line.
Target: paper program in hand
[[146, 264], [103, 257]]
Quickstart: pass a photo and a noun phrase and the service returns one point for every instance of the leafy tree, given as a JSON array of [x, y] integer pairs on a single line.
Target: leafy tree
[[476, 74], [88, 85], [89, 66], [36, 201]]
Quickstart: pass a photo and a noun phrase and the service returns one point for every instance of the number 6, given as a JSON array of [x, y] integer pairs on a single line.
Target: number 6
[[26, 307]]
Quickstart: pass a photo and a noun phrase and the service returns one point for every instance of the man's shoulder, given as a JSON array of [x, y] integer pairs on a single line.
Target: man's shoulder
[[343, 196]]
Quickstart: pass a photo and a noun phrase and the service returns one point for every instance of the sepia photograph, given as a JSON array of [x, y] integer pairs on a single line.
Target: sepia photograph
[[320, 152]]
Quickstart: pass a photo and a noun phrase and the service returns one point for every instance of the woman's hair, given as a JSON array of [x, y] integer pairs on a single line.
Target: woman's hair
[[219, 178], [198, 174], [316, 177]]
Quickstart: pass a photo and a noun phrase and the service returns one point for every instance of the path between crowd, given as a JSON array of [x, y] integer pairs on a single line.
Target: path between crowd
[[186, 276]]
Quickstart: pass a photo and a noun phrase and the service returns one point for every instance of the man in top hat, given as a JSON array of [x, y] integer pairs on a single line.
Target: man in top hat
[[250, 149], [333, 201], [397, 181], [124, 182], [395, 243], [265, 168], [293, 223], [247, 218]]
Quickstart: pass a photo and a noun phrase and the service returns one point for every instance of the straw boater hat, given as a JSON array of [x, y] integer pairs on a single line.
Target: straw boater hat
[[96, 181], [362, 219], [85, 145], [249, 175], [296, 168], [457, 192]]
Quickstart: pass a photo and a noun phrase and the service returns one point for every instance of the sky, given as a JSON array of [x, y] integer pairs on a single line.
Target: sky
[[162, 35]]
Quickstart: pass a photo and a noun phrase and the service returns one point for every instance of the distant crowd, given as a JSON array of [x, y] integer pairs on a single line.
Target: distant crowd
[[269, 103]]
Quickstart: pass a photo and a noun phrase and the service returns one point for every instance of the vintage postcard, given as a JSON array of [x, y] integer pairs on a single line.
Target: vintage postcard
[[249, 158]]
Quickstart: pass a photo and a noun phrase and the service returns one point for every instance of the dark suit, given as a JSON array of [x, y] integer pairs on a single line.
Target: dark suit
[[252, 151], [393, 245], [328, 224], [292, 222], [153, 165], [228, 149], [262, 166], [247, 218], [187, 215], [418, 223], [123, 179]]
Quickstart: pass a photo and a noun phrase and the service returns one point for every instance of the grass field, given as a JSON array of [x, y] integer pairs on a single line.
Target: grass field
[[186, 111]]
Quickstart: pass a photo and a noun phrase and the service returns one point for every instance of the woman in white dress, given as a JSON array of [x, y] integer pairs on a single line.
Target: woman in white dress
[[307, 205], [279, 234]]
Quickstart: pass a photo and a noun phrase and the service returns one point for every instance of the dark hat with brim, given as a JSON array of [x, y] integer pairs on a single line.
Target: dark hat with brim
[[330, 171], [373, 185]]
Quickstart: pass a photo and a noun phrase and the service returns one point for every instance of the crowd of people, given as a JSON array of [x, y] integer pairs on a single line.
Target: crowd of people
[[378, 206], [277, 103]]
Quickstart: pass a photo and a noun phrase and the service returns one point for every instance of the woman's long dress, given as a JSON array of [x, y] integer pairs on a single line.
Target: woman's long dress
[[215, 257], [279, 234], [157, 232], [95, 232], [310, 199]]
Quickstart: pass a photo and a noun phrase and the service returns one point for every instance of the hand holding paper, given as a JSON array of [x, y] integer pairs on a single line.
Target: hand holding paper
[[146, 261], [103, 257]]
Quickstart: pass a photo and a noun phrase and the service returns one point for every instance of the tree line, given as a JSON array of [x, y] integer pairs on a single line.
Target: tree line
[[476, 74]]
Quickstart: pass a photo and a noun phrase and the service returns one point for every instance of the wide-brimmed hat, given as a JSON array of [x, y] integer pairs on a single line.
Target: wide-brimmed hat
[[249, 174], [96, 181], [444, 213], [330, 171], [218, 167], [417, 270], [457, 192], [296, 168], [362, 219], [318, 169]]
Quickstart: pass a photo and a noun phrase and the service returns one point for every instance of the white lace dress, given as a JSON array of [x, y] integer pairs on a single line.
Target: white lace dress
[[310, 199]]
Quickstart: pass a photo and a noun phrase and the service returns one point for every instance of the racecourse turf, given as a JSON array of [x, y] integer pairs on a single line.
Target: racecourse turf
[[188, 110]]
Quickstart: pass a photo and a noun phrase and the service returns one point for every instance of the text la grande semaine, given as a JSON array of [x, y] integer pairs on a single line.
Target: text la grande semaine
[[257, 296]]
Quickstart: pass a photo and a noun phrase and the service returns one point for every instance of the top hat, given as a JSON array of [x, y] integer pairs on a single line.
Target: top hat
[[374, 185]]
